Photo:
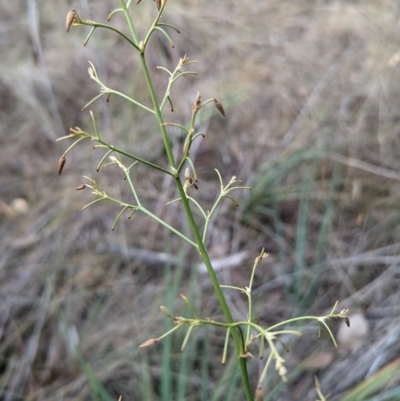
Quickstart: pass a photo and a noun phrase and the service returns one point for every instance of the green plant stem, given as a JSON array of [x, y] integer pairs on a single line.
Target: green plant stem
[[162, 222], [131, 156], [153, 216], [129, 21], [106, 26], [112, 91], [225, 308], [188, 141], [160, 119], [200, 245], [250, 298], [295, 319], [211, 213]]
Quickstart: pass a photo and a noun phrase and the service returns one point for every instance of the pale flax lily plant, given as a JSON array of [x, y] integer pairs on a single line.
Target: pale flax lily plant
[[182, 170]]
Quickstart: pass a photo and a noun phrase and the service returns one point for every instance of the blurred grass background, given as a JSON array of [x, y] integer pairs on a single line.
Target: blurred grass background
[[311, 90]]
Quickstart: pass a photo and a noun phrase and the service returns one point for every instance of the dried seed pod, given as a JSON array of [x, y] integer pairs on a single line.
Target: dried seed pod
[[158, 4], [71, 16], [61, 163], [197, 102], [347, 321], [148, 343], [82, 186], [219, 107]]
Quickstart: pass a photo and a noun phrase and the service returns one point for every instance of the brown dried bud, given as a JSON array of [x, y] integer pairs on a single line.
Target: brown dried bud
[[219, 107], [347, 321], [158, 4], [148, 343], [61, 163], [82, 186], [197, 102], [71, 16]]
